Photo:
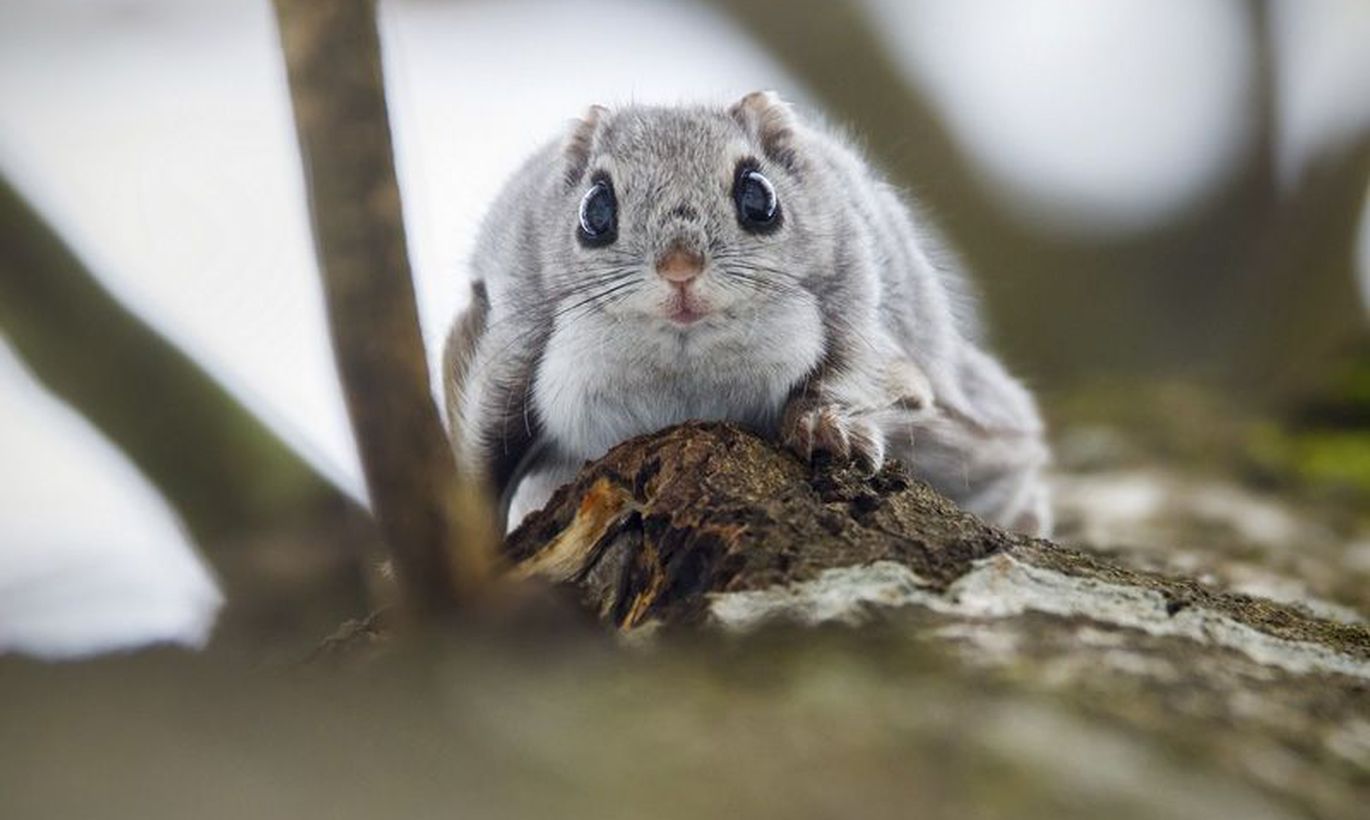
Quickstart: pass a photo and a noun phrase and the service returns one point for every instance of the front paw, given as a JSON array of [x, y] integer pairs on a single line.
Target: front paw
[[810, 427]]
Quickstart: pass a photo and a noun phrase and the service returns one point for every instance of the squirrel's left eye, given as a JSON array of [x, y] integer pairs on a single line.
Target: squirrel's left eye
[[598, 215], [758, 208]]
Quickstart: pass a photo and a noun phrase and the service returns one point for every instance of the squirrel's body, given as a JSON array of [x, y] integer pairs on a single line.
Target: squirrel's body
[[665, 264]]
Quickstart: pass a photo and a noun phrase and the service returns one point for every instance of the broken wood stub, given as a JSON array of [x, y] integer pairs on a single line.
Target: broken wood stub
[[659, 524]]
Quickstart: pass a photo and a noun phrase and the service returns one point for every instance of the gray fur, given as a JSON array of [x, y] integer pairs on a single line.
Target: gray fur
[[847, 329]]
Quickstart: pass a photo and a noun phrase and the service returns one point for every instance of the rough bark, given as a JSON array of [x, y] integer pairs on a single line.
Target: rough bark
[[992, 676], [705, 525], [438, 527], [663, 525]]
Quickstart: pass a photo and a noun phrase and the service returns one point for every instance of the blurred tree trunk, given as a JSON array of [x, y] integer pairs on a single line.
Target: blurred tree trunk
[[1285, 319], [229, 478], [439, 528]]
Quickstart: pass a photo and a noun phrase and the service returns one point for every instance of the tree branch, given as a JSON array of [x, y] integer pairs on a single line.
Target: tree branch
[[438, 527], [230, 479], [220, 467]]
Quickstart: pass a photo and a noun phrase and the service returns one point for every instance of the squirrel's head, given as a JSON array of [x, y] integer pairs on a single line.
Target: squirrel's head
[[692, 220]]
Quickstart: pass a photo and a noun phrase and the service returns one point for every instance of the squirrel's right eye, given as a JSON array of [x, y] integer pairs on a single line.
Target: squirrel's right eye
[[598, 215]]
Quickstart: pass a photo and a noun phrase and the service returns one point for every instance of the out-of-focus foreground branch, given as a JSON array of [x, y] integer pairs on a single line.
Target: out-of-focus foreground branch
[[438, 527]]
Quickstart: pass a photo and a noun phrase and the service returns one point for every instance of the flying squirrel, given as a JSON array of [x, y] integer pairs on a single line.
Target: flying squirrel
[[659, 264]]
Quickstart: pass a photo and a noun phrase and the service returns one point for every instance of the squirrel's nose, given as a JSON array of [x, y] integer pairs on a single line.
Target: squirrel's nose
[[679, 265]]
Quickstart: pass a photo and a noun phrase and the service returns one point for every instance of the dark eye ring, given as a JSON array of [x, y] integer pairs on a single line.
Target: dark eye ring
[[598, 215], [758, 207]]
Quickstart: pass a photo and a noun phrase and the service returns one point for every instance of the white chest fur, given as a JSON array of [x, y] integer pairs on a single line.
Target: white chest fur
[[601, 382]]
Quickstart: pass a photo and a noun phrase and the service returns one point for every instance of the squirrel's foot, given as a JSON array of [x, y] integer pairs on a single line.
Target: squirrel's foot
[[810, 427]]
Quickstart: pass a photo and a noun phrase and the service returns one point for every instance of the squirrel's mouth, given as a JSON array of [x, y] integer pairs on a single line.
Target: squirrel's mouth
[[685, 316], [684, 309]]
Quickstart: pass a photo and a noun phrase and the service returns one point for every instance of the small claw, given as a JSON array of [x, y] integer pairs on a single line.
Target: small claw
[[830, 433], [868, 445], [810, 429], [798, 433]]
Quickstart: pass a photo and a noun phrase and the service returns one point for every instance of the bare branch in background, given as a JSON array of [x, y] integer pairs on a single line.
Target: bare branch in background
[[439, 528], [223, 471], [228, 476]]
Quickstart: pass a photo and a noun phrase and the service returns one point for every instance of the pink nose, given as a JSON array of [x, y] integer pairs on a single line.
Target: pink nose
[[679, 265]]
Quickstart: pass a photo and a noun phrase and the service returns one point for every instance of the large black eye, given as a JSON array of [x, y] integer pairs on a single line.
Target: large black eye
[[598, 215], [758, 209]]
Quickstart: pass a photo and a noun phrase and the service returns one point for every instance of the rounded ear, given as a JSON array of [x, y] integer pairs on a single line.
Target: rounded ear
[[579, 143], [771, 122]]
